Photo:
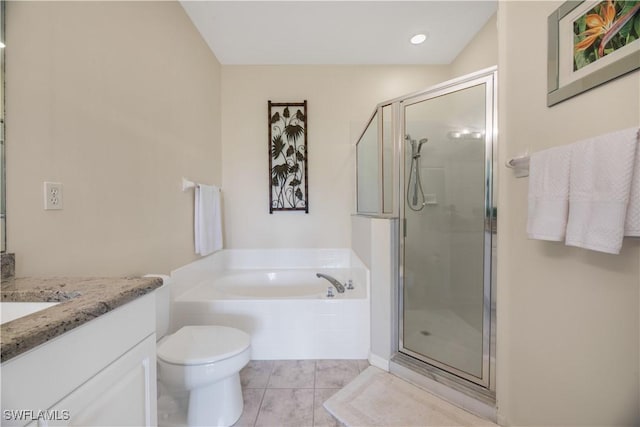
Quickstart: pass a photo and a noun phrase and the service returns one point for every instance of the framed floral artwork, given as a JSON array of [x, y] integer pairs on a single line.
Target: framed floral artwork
[[591, 43], [288, 157]]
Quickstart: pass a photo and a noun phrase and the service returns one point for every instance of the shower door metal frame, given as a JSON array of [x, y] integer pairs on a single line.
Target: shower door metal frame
[[488, 77]]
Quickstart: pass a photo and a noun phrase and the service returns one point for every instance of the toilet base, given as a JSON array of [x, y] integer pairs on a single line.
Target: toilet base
[[218, 404]]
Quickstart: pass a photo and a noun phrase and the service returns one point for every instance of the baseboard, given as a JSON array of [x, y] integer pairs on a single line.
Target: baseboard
[[379, 362]]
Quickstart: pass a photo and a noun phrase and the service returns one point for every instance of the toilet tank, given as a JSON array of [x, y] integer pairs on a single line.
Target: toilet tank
[[163, 305]]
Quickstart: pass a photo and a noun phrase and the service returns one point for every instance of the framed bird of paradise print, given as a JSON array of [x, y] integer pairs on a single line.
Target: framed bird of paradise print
[[288, 157], [591, 43]]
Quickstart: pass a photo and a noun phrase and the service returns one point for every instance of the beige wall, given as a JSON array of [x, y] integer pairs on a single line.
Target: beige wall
[[340, 101], [568, 318], [481, 52], [117, 101], [120, 116]]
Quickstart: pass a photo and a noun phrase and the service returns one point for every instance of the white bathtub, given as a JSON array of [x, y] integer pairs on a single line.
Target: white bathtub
[[275, 296]]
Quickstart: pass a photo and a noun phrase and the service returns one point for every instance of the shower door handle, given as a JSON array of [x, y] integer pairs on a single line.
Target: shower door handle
[[404, 227]]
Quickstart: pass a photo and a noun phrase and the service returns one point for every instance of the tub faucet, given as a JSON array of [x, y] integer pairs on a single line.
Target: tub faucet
[[339, 287]]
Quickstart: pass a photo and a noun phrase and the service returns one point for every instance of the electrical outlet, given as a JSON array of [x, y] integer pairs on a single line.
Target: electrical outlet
[[52, 195]]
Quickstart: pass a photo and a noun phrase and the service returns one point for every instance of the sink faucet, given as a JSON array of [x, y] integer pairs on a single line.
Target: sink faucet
[[339, 287]]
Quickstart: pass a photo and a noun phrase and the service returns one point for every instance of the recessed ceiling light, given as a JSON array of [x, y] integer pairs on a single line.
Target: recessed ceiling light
[[418, 38]]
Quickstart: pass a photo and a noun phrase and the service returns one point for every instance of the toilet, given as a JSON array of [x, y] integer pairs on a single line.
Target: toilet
[[203, 361]]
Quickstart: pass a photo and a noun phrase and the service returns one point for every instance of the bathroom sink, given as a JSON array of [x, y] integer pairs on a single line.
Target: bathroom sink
[[13, 310]]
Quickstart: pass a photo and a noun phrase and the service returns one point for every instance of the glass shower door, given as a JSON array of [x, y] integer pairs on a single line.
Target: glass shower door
[[446, 241]]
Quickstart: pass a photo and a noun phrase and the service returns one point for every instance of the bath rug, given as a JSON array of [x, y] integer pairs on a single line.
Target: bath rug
[[377, 398]]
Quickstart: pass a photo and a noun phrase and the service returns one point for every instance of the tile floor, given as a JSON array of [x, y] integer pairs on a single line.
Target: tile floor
[[291, 392], [281, 393]]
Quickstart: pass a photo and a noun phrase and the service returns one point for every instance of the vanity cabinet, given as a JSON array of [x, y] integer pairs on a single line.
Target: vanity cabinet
[[121, 394], [100, 373]]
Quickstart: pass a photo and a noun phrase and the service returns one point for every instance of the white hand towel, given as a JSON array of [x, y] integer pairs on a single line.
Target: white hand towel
[[632, 221], [601, 174], [548, 194], [207, 220]]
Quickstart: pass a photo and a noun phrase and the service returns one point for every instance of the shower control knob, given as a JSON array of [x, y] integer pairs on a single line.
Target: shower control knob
[[350, 285], [329, 292]]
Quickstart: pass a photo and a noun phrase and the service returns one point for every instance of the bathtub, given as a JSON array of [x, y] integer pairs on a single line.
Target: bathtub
[[275, 296]]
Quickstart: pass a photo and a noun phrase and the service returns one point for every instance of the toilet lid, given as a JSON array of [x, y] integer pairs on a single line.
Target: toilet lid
[[198, 345]]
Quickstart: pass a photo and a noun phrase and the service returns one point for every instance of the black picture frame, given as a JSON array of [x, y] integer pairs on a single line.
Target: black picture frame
[[288, 156]]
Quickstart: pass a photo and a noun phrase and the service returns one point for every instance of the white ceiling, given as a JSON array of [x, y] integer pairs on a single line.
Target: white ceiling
[[337, 32]]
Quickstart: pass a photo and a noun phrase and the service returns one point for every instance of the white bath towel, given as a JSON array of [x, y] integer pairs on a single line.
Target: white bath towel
[[548, 194], [208, 219], [601, 174], [632, 221]]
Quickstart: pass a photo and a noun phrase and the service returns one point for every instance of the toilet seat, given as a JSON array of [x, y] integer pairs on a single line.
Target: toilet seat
[[199, 345]]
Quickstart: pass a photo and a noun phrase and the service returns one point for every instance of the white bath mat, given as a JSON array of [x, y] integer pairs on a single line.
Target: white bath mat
[[377, 398]]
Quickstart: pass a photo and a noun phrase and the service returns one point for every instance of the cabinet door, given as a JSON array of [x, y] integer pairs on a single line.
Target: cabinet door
[[122, 394]]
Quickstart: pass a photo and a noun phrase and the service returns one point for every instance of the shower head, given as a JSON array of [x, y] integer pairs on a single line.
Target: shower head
[[416, 147]]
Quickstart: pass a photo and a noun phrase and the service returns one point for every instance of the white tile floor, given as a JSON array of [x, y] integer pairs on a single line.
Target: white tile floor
[[291, 392], [282, 393]]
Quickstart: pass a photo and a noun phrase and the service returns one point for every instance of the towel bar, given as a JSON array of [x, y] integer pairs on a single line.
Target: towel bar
[[188, 185], [520, 165]]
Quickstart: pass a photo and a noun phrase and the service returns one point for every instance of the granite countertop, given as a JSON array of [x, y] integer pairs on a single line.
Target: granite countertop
[[81, 300]]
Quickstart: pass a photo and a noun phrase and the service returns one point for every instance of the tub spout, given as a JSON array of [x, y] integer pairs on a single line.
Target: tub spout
[[339, 287]]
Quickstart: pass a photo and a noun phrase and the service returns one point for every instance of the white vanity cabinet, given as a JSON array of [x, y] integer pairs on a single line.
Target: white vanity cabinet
[[102, 373], [119, 395]]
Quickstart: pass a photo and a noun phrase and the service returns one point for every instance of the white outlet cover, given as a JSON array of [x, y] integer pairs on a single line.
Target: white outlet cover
[[52, 195]]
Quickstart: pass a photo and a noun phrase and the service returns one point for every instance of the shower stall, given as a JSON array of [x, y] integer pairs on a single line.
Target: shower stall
[[425, 161]]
